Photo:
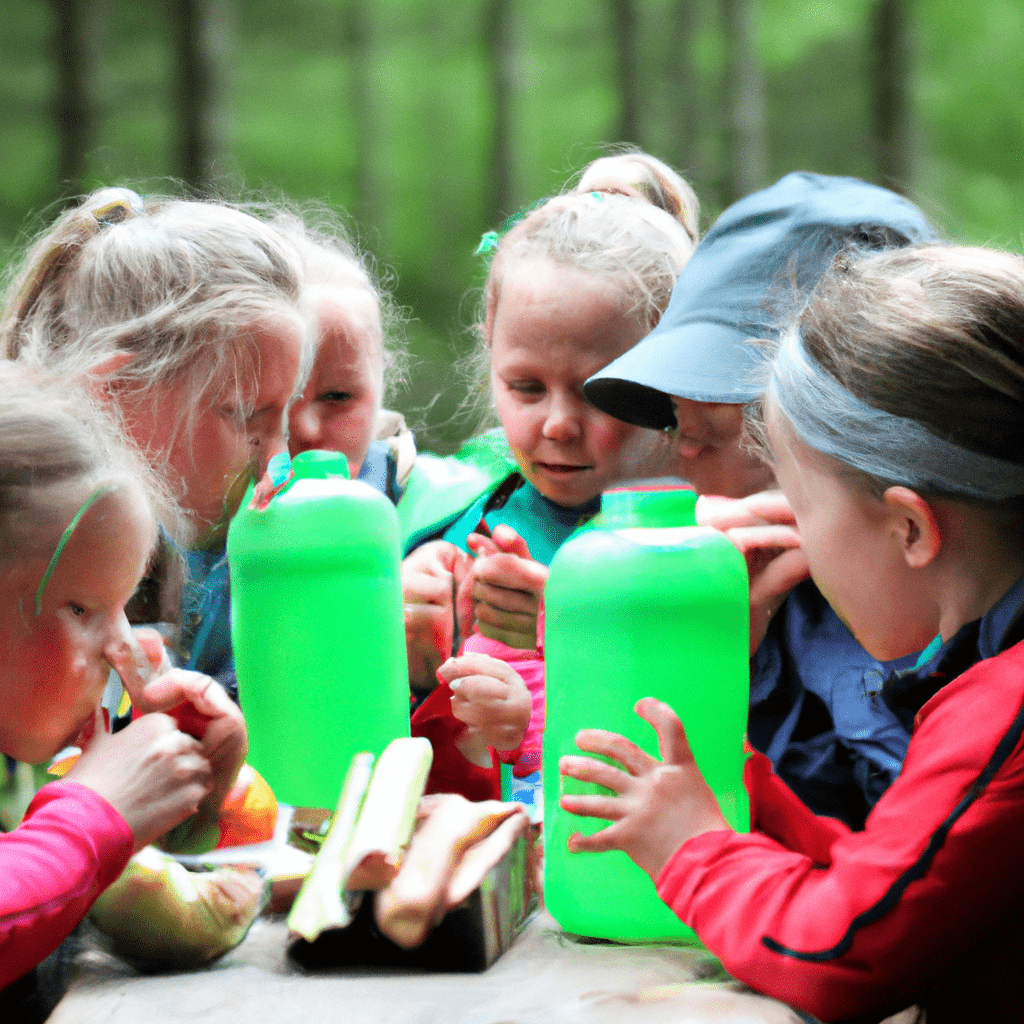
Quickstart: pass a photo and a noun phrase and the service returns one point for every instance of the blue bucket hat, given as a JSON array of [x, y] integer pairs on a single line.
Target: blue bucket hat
[[762, 256]]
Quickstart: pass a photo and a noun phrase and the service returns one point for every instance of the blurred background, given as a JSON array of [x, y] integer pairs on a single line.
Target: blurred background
[[428, 122]]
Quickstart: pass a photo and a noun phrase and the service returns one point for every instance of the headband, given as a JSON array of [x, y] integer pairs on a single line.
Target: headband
[[832, 420], [65, 537]]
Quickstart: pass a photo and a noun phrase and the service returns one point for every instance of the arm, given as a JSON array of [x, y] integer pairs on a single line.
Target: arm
[[71, 845], [871, 919]]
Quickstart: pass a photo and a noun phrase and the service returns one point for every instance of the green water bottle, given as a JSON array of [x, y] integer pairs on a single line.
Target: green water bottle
[[647, 604], [317, 628]]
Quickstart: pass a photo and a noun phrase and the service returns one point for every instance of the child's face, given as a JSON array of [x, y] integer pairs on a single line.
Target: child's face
[[54, 664], [854, 556], [338, 409], [553, 327], [212, 450], [711, 451]]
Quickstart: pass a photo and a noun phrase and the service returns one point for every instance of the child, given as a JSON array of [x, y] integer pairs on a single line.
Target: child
[[184, 315], [574, 284], [893, 422], [353, 322], [343, 312], [632, 172], [824, 728], [77, 528]]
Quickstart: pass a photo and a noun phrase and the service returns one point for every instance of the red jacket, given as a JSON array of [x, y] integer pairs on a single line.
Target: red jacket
[[925, 905], [70, 847]]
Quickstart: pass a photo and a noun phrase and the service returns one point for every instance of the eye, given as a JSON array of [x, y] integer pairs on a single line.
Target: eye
[[336, 396], [77, 610], [526, 387]]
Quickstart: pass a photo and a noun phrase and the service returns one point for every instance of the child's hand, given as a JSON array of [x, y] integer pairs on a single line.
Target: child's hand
[[490, 697], [151, 773], [506, 587], [431, 576], [657, 807], [199, 707], [763, 529]]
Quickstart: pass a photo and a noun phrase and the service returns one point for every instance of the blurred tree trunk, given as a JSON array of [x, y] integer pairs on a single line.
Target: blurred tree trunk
[[499, 46], [196, 93], [360, 46], [692, 102], [72, 110], [746, 156], [892, 107], [627, 49]]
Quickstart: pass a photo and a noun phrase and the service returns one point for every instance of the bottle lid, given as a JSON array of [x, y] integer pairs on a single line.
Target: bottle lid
[[648, 505], [320, 465]]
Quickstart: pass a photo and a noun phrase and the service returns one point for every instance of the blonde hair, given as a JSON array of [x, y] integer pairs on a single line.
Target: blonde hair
[[57, 443], [638, 248], [329, 257], [634, 172], [176, 284]]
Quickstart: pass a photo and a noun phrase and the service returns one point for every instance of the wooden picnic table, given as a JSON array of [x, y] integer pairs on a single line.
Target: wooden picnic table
[[546, 977]]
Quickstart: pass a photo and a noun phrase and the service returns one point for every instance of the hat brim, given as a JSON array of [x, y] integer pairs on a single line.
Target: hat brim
[[720, 366]]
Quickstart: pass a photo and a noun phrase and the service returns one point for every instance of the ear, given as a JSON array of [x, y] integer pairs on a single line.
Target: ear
[[916, 526], [98, 378]]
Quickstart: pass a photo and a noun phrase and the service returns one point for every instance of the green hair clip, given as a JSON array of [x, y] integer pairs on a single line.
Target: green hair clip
[[65, 537]]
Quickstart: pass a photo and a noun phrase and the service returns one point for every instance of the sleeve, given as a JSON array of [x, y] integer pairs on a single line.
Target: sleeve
[[839, 923], [70, 847]]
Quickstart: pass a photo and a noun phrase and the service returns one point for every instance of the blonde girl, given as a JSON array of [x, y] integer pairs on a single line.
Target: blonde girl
[[573, 285], [77, 527]]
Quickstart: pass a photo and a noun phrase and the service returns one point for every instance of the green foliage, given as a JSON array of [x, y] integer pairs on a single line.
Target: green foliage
[[395, 126]]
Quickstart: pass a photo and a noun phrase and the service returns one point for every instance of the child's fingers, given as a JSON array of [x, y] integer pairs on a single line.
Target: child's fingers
[[475, 663], [762, 509], [610, 808], [672, 741], [598, 842], [618, 748], [127, 657], [520, 602], [589, 769], [512, 573], [481, 546], [506, 539]]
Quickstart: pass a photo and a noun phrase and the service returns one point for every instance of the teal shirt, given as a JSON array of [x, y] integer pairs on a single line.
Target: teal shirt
[[544, 525]]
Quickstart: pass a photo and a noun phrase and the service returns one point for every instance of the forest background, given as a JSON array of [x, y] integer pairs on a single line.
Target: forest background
[[427, 122]]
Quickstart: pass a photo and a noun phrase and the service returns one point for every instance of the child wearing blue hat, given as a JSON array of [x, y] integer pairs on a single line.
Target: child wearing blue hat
[[817, 708]]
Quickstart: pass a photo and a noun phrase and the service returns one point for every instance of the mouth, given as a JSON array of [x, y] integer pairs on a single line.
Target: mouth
[[562, 469], [688, 448]]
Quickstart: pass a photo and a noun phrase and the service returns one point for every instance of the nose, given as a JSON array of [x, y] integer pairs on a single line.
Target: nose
[[267, 443], [304, 427], [564, 418]]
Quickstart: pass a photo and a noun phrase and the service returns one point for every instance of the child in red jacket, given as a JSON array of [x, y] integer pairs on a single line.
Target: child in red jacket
[[892, 420]]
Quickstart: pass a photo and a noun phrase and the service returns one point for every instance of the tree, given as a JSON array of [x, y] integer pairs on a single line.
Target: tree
[[892, 108], [746, 155], [499, 46], [196, 94], [627, 48], [72, 109]]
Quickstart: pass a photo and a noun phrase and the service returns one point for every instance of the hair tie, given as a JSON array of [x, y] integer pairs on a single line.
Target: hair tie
[[65, 537], [114, 205]]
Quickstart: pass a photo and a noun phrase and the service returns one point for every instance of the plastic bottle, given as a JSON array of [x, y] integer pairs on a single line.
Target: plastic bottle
[[645, 604], [317, 628]]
